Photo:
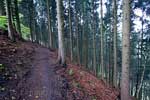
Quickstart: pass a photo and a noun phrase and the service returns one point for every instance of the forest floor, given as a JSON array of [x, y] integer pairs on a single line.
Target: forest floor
[[28, 72]]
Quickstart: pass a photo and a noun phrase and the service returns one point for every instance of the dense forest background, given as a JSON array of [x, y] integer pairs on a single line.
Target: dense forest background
[[92, 35]]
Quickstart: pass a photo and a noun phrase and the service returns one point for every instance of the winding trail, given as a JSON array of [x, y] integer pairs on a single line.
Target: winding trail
[[43, 83]]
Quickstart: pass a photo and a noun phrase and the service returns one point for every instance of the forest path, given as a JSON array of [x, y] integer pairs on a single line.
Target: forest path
[[43, 83]]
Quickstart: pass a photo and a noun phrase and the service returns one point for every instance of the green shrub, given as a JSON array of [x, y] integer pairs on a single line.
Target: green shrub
[[3, 22], [25, 31]]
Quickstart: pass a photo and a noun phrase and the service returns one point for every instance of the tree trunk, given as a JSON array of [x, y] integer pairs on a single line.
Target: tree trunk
[[94, 54], [125, 51], [49, 24], [115, 45], [85, 36], [31, 30], [32, 20], [94, 45], [2, 8], [30, 26], [139, 85], [138, 69], [141, 80], [17, 17], [77, 40], [70, 31], [102, 40], [61, 56], [10, 25]]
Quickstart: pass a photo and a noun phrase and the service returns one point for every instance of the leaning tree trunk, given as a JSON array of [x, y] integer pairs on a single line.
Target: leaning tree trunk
[[61, 56], [10, 25], [125, 51]]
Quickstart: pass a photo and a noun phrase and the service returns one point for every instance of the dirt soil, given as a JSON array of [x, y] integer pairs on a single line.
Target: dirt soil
[[15, 64], [43, 83], [28, 72], [85, 86]]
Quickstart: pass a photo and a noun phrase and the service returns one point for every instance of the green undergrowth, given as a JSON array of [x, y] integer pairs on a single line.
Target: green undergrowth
[[24, 30], [3, 22]]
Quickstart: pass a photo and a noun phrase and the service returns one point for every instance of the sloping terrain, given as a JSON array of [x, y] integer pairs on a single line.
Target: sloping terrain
[[29, 72], [14, 66], [85, 86]]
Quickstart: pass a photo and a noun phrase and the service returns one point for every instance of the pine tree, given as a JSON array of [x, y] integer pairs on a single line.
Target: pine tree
[[70, 32], [125, 51], [49, 23], [10, 25], [102, 41], [17, 17], [115, 43], [2, 8], [61, 53]]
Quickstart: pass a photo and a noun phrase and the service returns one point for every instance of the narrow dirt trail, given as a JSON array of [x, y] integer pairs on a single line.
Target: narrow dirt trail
[[43, 83], [30, 73]]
